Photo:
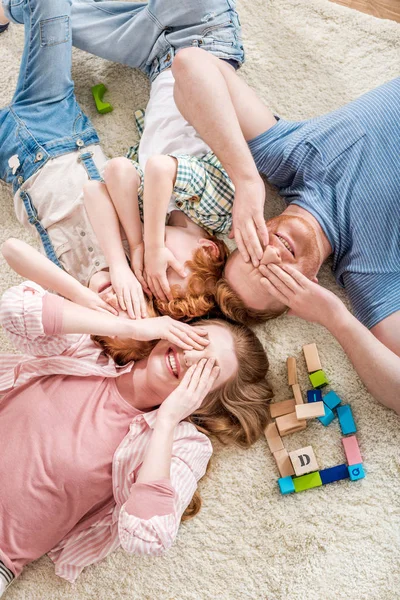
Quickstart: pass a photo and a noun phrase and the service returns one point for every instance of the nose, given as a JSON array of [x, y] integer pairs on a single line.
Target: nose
[[271, 255], [192, 357]]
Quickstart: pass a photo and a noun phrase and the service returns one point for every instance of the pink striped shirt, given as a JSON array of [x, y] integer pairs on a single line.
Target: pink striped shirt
[[127, 522]]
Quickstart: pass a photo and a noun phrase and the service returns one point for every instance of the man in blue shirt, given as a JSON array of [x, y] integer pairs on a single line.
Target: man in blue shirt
[[340, 175]]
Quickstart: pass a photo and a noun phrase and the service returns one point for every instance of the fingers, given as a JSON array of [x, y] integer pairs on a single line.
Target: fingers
[[196, 334], [142, 281], [194, 381], [252, 243], [176, 339], [271, 289], [301, 279], [120, 298], [241, 245], [103, 305], [262, 230], [284, 276], [177, 267], [163, 281], [128, 303]]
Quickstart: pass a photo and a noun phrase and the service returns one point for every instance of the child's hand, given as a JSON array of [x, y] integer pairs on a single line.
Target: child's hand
[[157, 261], [129, 292], [182, 335], [306, 299], [137, 265], [90, 299]]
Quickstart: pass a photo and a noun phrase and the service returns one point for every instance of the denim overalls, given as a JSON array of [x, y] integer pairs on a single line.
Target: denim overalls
[[44, 119]]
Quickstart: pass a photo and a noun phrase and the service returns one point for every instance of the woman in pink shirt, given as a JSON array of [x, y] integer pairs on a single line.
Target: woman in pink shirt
[[98, 453]]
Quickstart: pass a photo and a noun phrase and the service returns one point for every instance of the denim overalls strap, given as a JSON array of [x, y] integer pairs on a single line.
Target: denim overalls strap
[[86, 158]]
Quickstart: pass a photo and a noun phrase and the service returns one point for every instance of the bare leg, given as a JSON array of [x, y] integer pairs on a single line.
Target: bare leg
[[3, 19]]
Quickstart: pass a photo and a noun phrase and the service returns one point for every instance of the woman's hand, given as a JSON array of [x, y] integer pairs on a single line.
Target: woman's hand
[[137, 266], [306, 299], [128, 290], [89, 298], [190, 393], [157, 261], [164, 328]]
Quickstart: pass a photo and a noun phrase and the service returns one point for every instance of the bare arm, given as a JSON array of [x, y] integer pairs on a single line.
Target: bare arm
[[377, 366], [227, 114]]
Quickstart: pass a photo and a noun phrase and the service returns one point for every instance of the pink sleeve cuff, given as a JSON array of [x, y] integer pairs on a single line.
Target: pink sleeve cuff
[[148, 500], [52, 314]]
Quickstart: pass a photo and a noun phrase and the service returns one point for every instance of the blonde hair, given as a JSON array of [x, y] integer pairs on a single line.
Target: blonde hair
[[199, 298], [235, 309], [236, 412]]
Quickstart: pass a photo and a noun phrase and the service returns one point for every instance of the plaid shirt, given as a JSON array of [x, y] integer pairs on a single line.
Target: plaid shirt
[[203, 190]]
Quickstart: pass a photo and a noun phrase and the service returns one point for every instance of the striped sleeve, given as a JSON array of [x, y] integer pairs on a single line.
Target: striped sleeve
[[22, 318], [155, 535]]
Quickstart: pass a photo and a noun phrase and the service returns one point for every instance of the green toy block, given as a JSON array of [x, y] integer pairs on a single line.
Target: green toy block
[[98, 92], [306, 482], [318, 379]]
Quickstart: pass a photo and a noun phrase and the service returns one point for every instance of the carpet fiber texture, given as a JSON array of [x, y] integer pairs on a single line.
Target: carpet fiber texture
[[249, 542]]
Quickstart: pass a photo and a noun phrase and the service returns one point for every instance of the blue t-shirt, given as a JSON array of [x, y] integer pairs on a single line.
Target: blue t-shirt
[[344, 168]]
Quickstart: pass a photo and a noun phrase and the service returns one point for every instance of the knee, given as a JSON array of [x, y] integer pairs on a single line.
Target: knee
[[184, 59], [9, 248], [118, 169]]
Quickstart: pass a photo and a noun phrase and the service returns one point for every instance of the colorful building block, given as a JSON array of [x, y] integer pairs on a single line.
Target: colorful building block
[[273, 438], [303, 460], [292, 370], [356, 472], [98, 92], [328, 417], [288, 424], [312, 358], [306, 482], [298, 396], [352, 450], [332, 400], [286, 485], [314, 396], [310, 411], [334, 474], [277, 409], [318, 379], [346, 420], [283, 463]]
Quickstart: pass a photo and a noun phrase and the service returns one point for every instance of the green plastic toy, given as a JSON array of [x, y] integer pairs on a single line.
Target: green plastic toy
[[98, 92]]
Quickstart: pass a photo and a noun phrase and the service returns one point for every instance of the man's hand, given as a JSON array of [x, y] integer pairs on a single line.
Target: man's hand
[[248, 223], [129, 292], [157, 261], [306, 299]]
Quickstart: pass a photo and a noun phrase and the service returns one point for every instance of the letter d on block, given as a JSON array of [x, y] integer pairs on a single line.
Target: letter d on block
[[304, 460]]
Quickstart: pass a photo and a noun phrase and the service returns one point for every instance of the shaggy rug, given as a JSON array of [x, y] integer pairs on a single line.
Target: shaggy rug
[[337, 542]]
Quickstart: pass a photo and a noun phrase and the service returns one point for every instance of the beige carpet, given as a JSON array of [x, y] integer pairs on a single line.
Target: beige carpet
[[304, 57]]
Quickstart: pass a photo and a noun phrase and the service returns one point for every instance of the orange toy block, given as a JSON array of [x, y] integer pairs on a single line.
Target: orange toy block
[[304, 461], [281, 408], [312, 358], [298, 396], [283, 463], [310, 411], [274, 440], [292, 370], [288, 424]]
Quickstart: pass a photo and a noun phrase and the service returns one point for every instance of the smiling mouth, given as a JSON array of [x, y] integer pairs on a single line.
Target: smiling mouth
[[172, 362], [285, 243]]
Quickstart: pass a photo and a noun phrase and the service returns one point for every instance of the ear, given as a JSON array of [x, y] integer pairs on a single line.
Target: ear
[[315, 279], [210, 246]]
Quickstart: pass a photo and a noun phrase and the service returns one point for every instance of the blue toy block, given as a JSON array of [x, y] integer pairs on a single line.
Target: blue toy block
[[346, 420], [334, 474], [332, 400], [328, 417], [314, 396], [356, 472], [286, 485]]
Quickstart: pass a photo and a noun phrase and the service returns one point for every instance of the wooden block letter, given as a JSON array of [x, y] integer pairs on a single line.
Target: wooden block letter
[[304, 461], [312, 358], [292, 370], [288, 424], [273, 438], [281, 408], [310, 411], [283, 463]]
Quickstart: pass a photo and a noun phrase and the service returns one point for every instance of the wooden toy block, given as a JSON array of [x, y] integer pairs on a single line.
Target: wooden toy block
[[332, 400], [307, 482], [286, 485], [352, 450], [346, 420], [318, 379], [314, 396], [277, 409], [310, 411], [274, 440], [312, 358], [356, 472], [298, 396], [283, 463], [98, 92], [328, 417], [288, 424], [334, 474], [304, 461], [292, 370]]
